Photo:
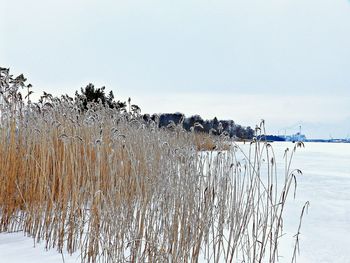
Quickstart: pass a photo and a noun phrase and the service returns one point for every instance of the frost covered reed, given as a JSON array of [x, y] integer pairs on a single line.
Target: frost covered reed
[[117, 189]]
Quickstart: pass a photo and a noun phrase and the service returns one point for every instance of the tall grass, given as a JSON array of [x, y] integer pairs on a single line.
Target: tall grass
[[117, 189]]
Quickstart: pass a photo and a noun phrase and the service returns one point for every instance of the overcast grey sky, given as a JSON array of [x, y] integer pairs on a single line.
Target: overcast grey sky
[[286, 61]]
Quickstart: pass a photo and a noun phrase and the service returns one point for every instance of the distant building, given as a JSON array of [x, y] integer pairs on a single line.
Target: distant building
[[298, 137]]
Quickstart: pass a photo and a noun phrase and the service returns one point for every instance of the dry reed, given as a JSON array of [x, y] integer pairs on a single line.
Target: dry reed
[[120, 190]]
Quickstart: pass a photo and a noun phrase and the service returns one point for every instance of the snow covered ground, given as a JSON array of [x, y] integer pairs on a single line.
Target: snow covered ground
[[325, 232], [17, 248], [325, 183]]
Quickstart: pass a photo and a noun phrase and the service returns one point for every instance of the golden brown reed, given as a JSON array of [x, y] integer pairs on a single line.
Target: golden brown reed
[[207, 142], [118, 189]]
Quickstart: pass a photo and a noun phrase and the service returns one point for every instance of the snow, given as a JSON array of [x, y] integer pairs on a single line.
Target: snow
[[17, 248], [325, 231], [325, 183]]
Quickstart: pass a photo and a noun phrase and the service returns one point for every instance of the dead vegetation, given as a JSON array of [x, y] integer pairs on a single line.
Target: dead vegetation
[[117, 189]]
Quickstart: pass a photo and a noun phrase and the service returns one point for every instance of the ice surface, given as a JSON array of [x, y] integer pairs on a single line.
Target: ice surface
[[325, 183]]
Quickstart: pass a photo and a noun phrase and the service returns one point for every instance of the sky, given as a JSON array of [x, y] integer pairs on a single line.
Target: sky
[[284, 61]]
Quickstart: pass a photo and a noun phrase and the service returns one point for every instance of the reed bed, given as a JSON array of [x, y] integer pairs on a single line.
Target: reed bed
[[117, 189]]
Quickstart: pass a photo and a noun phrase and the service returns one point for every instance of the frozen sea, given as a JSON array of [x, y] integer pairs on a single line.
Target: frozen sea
[[325, 183], [325, 231]]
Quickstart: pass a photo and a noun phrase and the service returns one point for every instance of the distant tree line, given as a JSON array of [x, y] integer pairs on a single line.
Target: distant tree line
[[195, 122], [198, 124], [274, 138]]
